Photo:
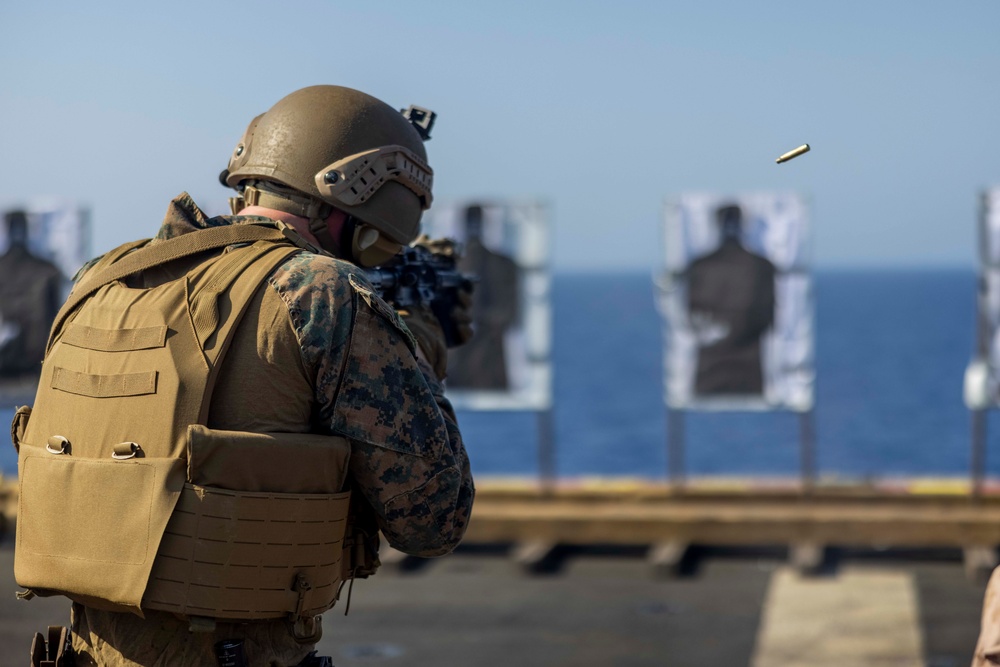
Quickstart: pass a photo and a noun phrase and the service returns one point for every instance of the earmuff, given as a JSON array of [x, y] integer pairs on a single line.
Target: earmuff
[[367, 245]]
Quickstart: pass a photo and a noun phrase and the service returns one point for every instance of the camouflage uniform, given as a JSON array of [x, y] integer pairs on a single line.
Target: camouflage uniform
[[987, 651], [317, 351]]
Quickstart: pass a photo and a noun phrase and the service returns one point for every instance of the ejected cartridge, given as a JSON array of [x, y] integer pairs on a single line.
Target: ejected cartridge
[[804, 148]]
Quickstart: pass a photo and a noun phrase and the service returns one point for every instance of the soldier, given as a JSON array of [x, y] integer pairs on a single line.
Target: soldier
[[193, 525]]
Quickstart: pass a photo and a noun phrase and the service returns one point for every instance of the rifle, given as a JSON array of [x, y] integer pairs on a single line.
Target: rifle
[[419, 276]]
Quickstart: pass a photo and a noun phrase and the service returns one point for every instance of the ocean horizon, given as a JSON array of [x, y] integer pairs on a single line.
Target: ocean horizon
[[891, 350], [892, 345]]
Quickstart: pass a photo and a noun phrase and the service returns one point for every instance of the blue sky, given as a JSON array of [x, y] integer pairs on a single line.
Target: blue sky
[[600, 109]]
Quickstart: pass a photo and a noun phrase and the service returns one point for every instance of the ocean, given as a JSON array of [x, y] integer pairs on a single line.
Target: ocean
[[891, 352]]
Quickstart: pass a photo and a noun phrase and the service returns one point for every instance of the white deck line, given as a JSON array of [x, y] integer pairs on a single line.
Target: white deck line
[[858, 618]]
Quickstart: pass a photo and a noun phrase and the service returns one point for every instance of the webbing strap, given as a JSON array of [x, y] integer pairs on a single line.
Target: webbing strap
[[115, 254], [104, 261], [162, 252], [219, 277], [242, 288], [115, 340], [104, 386]]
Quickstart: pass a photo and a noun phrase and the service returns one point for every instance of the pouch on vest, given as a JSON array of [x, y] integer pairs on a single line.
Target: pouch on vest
[[259, 528]]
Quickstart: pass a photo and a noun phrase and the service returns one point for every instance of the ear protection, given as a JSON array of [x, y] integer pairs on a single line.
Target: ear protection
[[366, 245]]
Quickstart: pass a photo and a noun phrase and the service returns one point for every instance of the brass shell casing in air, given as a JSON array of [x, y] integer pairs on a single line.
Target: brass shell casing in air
[[804, 148]]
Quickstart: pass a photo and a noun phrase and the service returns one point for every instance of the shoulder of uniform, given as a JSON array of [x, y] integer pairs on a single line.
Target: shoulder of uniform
[[322, 294], [370, 296], [310, 283], [317, 294], [309, 272]]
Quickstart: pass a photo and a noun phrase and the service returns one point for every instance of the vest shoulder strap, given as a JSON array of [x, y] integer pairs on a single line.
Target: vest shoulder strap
[[114, 255], [149, 256], [242, 277]]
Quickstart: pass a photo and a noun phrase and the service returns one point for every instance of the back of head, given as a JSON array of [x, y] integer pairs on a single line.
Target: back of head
[[730, 220], [339, 148], [473, 221], [17, 227]]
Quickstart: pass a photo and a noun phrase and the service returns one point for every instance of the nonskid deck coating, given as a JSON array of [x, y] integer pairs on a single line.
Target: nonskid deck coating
[[601, 607]]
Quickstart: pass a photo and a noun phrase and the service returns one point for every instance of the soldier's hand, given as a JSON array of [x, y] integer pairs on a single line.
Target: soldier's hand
[[424, 325], [444, 247], [461, 314], [457, 321]]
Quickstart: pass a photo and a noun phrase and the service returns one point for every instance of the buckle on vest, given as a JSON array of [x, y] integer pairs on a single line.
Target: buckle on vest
[[57, 444], [302, 587], [126, 450]]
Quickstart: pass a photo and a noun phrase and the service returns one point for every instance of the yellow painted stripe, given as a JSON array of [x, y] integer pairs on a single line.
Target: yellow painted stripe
[[955, 486], [937, 487]]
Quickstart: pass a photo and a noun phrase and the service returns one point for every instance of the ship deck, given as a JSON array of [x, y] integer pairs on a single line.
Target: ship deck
[[630, 572]]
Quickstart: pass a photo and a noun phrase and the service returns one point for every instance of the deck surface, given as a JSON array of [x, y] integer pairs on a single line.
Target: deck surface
[[602, 607], [892, 589]]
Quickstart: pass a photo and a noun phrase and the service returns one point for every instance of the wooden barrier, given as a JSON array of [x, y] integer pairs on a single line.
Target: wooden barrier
[[721, 512], [919, 513]]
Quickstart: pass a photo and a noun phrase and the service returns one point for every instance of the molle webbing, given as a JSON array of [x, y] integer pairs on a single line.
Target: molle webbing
[[272, 548], [233, 554]]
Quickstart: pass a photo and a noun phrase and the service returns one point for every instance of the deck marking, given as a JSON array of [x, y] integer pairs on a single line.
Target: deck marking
[[859, 618]]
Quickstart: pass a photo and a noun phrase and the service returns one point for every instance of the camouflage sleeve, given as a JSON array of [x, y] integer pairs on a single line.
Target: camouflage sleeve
[[407, 458]]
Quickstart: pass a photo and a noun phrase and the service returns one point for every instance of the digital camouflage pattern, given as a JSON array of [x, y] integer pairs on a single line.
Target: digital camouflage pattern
[[370, 388], [319, 329]]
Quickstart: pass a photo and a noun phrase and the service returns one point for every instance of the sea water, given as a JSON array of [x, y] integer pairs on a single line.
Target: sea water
[[891, 350]]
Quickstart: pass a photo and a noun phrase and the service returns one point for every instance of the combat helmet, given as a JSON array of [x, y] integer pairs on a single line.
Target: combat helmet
[[325, 147]]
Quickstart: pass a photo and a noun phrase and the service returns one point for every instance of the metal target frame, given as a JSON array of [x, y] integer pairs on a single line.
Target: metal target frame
[[981, 391], [778, 229]]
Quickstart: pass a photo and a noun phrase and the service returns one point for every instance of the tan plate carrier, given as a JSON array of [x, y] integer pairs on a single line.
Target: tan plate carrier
[[127, 501]]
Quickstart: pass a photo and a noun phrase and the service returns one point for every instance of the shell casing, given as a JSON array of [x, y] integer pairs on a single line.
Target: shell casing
[[804, 148]]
